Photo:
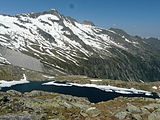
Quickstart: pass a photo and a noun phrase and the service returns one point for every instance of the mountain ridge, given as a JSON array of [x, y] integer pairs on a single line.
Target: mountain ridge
[[61, 43]]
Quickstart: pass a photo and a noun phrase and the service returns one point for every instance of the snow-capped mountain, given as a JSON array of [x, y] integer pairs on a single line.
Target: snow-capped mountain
[[60, 45]]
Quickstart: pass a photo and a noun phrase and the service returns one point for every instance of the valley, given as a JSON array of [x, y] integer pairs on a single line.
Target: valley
[[53, 67]]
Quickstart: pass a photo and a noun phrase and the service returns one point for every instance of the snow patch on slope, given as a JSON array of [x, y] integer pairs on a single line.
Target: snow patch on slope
[[4, 60], [4, 83]]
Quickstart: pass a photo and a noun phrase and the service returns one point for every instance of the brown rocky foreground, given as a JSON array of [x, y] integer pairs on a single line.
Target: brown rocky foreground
[[39, 105]]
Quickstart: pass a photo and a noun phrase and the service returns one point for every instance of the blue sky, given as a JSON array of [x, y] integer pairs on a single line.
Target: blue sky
[[137, 17]]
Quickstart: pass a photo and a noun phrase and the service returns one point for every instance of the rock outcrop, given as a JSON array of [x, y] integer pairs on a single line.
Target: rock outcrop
[[39, 105], [147, 112]]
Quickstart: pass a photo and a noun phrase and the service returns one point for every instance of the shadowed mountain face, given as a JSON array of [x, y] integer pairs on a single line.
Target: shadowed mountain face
[[63, 45]]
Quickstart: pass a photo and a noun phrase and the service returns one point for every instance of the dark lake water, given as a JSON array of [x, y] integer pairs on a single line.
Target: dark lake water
[[94, 95]]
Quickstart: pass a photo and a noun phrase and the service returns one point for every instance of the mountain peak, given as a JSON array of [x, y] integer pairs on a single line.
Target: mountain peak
[[119, 31], [52, 11], [37, 14], [86, 22]]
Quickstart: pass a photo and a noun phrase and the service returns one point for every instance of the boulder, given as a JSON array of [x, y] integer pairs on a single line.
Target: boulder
[[14, 93], [5, 99], [121, 115], [133, 109], [152, 106], [55, 112], [154, 115], [144, 111], [136, 117], [36, 93], [83, 113], [57, 119], [93, 112]]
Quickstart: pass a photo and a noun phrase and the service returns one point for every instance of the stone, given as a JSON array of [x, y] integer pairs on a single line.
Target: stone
[[57, 119], [67, 105], [133, 109], [144, 111], [83, 114], [154, 115], [152, 106], [36, 93], [5, 99], [93, 112], [80, 105], [136, 117], [14, 93], [25, 112], [55, 112], [121, 115]]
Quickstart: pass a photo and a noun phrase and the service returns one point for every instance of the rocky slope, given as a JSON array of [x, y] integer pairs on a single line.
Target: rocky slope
[[38, 105], [10, 73], [60, 45]]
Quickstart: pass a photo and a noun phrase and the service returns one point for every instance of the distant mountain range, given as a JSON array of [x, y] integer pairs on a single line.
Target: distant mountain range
[[53, 43]]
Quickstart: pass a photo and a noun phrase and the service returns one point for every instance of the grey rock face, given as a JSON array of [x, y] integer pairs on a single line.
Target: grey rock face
[[20, 59], [86, 22]]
